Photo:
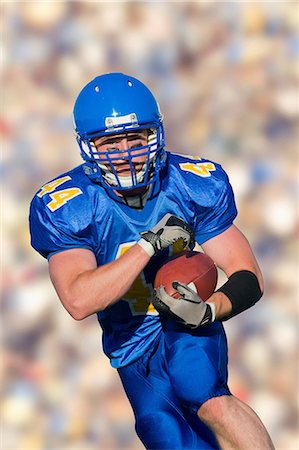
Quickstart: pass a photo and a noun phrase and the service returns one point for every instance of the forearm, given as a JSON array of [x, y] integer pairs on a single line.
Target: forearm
[[96, 289], [241, 291]]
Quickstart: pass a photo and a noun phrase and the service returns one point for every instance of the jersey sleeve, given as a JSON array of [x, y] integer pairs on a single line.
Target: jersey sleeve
[[220, 214], [53, 232]]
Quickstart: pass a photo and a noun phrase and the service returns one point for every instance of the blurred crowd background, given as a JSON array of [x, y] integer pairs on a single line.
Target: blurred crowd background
[[226, 77]]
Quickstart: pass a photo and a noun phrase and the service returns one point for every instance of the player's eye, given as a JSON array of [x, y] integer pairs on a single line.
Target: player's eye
[[136, 144]]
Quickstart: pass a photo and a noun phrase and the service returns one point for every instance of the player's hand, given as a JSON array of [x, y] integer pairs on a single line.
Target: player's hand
[[168, 231], [189, 309]]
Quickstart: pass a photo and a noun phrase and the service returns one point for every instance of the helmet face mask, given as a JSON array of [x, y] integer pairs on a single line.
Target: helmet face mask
[[119, 105]]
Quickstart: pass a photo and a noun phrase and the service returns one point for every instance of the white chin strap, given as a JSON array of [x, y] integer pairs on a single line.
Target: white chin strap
[[111, 179]]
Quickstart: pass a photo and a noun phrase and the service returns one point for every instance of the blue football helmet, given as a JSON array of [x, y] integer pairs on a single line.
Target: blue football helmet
[[117, 103]]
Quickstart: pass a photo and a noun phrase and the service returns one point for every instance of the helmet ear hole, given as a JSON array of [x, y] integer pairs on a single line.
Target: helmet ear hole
[[130, 84]]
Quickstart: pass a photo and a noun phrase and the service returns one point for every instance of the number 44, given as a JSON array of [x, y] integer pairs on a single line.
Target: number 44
[[60, 197], [200, 169]]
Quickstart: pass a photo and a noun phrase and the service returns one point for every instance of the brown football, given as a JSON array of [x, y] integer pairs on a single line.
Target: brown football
[[195, 269]]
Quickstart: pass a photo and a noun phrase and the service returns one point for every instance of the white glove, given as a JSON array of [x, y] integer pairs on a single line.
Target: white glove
[[189, 309], [169, 230]]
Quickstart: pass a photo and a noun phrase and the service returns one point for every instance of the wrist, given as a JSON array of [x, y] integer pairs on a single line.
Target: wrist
[[147, 247], [221, 304]]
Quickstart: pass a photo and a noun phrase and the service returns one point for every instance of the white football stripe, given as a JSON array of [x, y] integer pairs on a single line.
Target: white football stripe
[[192, 286]]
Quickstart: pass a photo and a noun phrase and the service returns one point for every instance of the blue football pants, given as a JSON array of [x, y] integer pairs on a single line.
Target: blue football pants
[[167, 386]]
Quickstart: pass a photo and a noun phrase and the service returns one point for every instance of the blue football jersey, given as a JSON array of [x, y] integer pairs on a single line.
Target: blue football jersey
[[73, 212]]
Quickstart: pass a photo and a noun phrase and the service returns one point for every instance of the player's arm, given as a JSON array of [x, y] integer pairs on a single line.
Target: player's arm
[[232, 253], [84, 288]]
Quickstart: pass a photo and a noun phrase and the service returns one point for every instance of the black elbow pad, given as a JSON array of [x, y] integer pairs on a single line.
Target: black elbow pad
[[243, 290]]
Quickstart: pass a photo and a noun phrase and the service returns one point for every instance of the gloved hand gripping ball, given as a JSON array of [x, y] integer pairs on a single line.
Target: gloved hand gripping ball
[[181, 287]]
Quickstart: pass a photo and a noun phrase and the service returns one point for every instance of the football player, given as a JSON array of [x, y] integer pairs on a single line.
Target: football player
[[106, 227]]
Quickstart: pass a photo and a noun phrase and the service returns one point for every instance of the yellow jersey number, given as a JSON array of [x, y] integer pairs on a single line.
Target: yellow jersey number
[[140, 295], [61, 197], [200, 169]]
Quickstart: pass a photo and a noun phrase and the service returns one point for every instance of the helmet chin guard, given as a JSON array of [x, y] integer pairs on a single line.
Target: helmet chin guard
[[112, 104]]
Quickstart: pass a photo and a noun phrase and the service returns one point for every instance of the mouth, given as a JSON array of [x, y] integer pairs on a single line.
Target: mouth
[[124, 168]]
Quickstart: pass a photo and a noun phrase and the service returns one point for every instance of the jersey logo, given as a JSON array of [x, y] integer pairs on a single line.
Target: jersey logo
[[140, 294], [200, 169], [60, 197]]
